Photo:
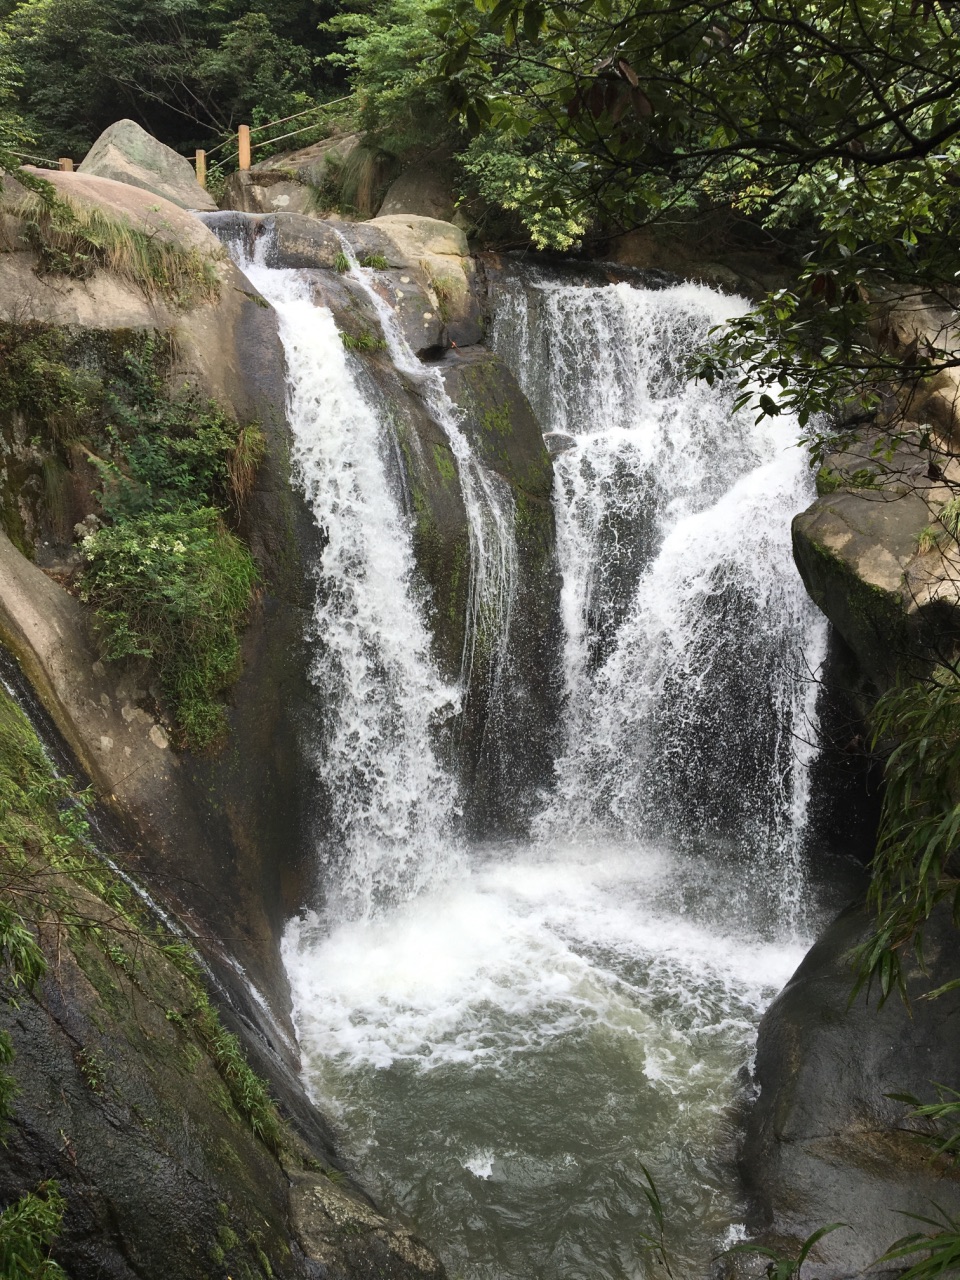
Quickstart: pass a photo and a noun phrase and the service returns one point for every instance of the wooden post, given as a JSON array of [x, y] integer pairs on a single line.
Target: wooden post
[[202, 168], [243, 143], [66, 164]]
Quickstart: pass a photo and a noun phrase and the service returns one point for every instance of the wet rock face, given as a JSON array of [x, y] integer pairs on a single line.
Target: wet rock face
[[826, 1142], [122, 1102], [510, 767]]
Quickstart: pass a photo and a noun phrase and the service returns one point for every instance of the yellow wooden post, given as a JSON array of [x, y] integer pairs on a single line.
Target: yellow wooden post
[[66, 164], [243, 143], [202, 168]]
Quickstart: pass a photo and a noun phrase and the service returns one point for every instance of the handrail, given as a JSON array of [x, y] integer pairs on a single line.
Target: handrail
[[268, 142], [25, 155], [320, 106]]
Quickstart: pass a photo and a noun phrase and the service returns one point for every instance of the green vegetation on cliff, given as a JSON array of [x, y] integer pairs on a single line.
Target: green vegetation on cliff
[[59, 897], [167, 475]]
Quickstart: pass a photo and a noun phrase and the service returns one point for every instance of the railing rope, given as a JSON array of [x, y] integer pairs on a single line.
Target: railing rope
[[43, 160]]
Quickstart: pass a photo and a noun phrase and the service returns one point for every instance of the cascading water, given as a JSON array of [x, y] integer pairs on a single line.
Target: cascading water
[[392, 802], [487, 499], [509, 1035], [691, 645]]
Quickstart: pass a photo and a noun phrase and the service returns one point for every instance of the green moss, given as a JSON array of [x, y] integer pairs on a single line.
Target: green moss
[[446, 467], [71, 240], [496, 421]]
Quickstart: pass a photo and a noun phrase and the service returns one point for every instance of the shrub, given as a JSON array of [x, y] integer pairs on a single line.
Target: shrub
[[28, 1228], [174, 586]]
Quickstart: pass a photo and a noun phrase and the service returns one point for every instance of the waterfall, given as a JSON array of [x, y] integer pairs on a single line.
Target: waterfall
[[491, 514], [691, 646], [511, 1035], [393, 801]]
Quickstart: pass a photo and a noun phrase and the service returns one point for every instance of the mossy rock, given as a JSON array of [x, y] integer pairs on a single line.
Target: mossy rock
[[132, 1096]]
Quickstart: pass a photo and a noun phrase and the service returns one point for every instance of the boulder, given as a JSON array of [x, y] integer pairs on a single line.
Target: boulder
[[305, 181], [875, 558], [127, 153], [825, 1141], [422, 189], [434, 255]]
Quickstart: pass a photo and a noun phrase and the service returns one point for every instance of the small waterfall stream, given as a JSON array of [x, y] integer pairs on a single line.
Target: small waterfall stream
[[508, 1035], [487, 498], [392, 801]]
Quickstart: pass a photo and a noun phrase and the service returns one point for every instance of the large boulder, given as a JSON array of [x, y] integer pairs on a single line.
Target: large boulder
[[422, 189], [305, 181], [826, 1141], [127, 153], [877, 559]]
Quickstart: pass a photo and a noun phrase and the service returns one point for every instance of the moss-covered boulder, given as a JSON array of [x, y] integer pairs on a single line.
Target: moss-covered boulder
[[131, 1095]]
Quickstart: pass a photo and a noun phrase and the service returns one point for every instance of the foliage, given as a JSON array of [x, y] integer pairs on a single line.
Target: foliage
[[782, 1266], [390, 53], [941, 1247], [28, 1228], [167, 577], [188, 71], [74, 241], [913, 870], [365, 341], [653, 112], [163, 450], [174, 586]]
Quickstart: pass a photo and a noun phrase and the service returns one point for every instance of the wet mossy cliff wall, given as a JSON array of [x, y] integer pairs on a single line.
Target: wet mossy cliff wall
[[126, 1100], [830, 1139]]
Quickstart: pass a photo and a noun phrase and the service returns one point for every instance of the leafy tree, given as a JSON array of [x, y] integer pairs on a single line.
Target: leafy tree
[[834, 126], [188, 71]]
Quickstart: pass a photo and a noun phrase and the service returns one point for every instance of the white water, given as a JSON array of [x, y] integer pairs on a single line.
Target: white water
[[391, 800], [487, 499], [506, 1034], [691, 645]]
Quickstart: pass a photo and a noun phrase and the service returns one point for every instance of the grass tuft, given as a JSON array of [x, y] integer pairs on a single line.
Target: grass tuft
[[75, 241]]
